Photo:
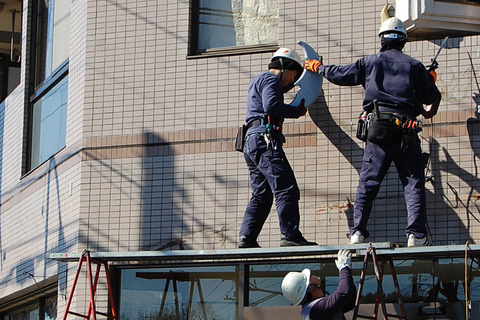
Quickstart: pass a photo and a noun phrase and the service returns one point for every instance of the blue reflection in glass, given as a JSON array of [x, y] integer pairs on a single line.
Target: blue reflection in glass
[[191, 292], [49, 123]]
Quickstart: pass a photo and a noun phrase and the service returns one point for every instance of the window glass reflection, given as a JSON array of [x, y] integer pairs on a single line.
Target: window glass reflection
[[50, 309], [189, 293], [49, 118], [53, 37], [237, 23], [420, 281]]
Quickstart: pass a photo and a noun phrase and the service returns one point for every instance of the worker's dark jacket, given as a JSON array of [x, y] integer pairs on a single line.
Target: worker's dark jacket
[[333, 307], [265, 97], [399, 82]]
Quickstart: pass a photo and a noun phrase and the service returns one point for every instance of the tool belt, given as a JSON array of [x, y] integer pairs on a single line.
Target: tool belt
[[273, 127], [384, 128], [269, 122]]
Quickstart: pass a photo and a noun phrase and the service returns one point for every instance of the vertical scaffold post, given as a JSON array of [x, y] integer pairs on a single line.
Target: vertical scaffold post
[[380, 299], [92, 286]]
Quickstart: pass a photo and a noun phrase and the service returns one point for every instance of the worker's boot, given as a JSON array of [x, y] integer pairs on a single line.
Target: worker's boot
[[296, 241], [246, 242]]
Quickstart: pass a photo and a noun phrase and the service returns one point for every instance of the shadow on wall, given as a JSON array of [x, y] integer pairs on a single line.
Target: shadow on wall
[[162, 220], [151, 196], [53, 192], [348, 147], [51, 214], [444, 215], [473, 128], [171, 218], [323, 119]]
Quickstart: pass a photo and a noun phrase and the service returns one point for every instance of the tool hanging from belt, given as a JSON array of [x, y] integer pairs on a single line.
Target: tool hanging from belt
[[410, 130], [273, 132], [273, 126]]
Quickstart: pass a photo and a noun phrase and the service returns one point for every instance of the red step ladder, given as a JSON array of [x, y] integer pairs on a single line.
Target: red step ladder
[[92, 284], [380, 296]]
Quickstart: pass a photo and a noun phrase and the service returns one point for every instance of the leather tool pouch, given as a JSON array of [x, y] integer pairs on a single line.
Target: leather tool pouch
[[381, 131], [240, 140]]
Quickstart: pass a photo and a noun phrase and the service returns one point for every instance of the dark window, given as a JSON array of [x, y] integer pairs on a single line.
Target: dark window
[[219, 24], [44, 308], [10, 35]]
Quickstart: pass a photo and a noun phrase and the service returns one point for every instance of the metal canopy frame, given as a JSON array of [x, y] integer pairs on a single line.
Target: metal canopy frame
[[382, 249]]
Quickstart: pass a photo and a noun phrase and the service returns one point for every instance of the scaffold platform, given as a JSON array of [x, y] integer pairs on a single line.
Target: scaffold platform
[[382, 249]]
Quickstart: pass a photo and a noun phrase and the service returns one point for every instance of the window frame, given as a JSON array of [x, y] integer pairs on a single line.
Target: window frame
[[195, 53], [37, 91]]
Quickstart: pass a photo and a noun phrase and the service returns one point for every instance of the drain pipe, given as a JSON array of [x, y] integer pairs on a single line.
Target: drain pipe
[[12, 40]]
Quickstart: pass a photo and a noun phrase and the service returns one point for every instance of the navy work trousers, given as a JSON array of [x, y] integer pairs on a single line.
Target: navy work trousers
[[270, 175], [410, 168]]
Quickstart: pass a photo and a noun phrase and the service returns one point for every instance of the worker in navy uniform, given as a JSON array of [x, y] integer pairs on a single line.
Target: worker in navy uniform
[[271, 175], [401, 86], [302, 288]]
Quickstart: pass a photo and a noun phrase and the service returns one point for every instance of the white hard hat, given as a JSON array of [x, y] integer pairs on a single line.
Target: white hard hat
[[294, 286], [392, 25], [289, 54]]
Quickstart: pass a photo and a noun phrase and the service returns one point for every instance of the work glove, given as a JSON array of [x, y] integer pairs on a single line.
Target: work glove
[[344, 259], [302, 107], [312, 65], [434, 75], [430, 110]]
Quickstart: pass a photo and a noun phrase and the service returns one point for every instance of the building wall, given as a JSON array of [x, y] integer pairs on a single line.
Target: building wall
[[161, 128], [150, 163]]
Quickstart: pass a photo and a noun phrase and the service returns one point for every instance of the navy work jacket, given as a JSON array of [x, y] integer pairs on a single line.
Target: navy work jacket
[[265, 97], [399, 82]]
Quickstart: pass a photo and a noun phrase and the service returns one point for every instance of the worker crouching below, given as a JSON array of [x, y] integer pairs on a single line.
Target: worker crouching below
[[270, 172], [302, 288], [401, 85]]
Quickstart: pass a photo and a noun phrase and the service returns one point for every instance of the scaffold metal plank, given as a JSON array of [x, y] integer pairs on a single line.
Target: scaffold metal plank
[[382, 249], [221, 254]]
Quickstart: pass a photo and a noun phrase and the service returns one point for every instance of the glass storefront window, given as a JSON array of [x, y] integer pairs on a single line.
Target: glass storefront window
[[214, 292], [419, 281], [189, 293], [265, 282], [422, 281]]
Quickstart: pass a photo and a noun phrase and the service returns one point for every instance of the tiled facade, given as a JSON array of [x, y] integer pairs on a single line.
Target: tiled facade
[[150, 161]]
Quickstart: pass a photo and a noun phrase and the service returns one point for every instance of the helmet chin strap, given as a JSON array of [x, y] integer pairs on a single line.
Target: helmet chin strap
[[283, 70]]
